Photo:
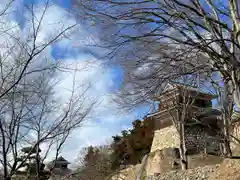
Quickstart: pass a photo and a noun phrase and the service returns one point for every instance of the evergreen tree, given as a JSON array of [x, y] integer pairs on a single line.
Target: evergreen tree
[[134, 144], [34, 167]]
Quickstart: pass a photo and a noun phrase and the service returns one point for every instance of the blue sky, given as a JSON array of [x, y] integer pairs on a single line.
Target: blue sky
[[105, 120]]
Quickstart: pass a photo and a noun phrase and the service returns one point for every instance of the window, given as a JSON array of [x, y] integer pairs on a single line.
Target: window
[[202, 103], [64, 166]]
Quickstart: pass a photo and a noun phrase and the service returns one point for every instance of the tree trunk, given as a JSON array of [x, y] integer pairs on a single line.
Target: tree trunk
[[182, 121], [227, 107], [4, 152], [182, 149], [226, 145], [236, 94]]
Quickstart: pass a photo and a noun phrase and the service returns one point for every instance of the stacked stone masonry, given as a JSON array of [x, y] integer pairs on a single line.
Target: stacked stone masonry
[[236, 135], [165, 138], [197, 139]]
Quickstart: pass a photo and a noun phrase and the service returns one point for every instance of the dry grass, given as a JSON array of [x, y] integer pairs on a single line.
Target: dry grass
[[228, 170]]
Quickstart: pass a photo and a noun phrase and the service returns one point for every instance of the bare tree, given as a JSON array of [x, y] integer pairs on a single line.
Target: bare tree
[[157, 37], [226, 104], [180, 122], [179, 103], [95, 163], [31, 113], [32, 116]]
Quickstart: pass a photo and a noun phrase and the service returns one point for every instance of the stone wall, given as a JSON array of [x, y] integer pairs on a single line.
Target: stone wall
[[197, 138], [161, 161], [160, 164], [200, 173], [199, 160], [236, 134], [165, 138]]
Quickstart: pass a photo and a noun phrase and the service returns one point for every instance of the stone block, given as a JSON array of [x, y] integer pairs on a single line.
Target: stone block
[[162, 161], [165, 138]]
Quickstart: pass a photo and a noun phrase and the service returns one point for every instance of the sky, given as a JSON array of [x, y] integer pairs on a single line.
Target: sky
[[105, 120]]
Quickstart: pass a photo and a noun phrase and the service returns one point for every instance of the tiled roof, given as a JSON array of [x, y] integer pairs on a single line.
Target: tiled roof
[[171, 85], [60, 160]]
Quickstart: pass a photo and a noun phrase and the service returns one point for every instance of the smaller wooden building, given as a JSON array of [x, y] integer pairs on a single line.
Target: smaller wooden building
[[60, 168]]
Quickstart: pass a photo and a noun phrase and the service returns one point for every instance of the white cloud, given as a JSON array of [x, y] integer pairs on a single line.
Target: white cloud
[[104, 121]]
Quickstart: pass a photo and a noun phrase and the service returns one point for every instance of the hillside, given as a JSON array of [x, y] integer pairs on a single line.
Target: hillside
[[228, 170]]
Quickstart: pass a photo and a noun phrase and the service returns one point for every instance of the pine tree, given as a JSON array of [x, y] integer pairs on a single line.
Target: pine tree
[[132, 145], [34, 167]]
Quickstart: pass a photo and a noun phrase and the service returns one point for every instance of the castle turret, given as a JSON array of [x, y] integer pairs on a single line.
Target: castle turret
[[201, 121], [60, 162], [59, 168], [171, 102]]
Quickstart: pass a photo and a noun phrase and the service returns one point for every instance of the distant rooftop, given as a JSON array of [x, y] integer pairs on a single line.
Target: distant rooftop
[[60, 160]]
